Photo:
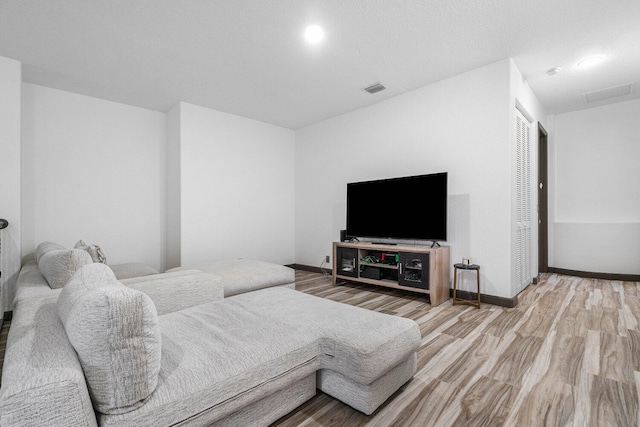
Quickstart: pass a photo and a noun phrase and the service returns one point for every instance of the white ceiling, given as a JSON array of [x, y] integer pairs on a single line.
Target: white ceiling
[[248, 57]]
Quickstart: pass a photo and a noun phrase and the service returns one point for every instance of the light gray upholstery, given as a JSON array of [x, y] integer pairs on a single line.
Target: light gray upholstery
[[42, 380], [273, 407], [241, 331], [57, 266], [132, 269], [32, 284], [178, 290], [168, 291], [217, 359], [366, 398], [372, 342], [246, 275], [114, 330], [45, 247], [244, 360]]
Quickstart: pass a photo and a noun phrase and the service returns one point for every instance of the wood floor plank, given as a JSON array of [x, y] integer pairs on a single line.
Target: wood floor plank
[[612, 403], [461, 371], [545, 403], [563, 366], [514, 359], [486, 403], [426, 405]]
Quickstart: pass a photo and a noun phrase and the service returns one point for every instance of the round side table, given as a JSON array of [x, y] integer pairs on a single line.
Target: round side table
[[472, 267]]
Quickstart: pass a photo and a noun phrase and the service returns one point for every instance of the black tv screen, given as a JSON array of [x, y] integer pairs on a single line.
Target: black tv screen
[[413, 207]]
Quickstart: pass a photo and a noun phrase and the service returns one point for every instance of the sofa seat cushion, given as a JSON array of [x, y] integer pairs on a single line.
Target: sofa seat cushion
[[245, 275], [57, 266], [218, 358], [115, 332], [178, 290], [132, 269]]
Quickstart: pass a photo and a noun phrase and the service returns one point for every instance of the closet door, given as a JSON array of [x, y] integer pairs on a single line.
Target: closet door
[[523, 201]]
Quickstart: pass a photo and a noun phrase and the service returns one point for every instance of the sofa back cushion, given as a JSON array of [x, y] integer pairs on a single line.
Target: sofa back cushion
[[58, 265], [115, 332]]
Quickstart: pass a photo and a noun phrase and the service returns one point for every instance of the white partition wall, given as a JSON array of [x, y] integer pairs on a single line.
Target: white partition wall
[[10, 195], [94, 170], [595, 193], [236, 187]]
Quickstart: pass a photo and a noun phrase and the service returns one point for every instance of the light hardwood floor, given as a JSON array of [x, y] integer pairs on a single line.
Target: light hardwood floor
[[567, 355]]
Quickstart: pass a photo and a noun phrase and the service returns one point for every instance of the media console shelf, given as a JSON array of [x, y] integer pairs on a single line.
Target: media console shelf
[[420, 269]]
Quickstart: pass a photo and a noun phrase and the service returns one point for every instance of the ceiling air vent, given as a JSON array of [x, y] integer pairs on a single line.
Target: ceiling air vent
[[611, 92], [374, 88]]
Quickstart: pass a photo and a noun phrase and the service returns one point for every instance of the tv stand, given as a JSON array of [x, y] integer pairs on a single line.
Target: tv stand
[[421, 269]]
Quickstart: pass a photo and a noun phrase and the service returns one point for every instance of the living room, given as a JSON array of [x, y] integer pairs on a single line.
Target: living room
[[184, 183]]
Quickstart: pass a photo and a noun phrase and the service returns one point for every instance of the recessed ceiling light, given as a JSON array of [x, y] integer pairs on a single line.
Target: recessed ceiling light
[[314, 34], [590, 62]]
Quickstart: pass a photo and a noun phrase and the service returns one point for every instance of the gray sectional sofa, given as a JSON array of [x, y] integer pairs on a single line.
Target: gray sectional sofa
[[175, 349]]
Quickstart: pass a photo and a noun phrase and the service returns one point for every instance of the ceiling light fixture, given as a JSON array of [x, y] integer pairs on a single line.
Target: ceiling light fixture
[[314, 34], [590, 62]]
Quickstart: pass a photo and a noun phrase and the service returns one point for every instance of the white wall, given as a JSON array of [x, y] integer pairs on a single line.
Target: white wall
[[459, 125], [237, 191], [93, 170], [595, 192], [10, 81]]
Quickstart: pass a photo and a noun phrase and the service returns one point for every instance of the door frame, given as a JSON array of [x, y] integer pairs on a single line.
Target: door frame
[[543, 202]]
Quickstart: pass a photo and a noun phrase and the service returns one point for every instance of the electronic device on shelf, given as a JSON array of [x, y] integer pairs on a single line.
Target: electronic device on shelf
[[389, 257], [379, 209]]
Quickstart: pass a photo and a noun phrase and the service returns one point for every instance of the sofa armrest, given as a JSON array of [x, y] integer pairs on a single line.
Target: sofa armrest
[[173, 292], [42, 380]]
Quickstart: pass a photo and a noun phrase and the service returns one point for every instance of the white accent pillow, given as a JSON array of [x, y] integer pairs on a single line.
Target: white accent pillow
[[45, 247], [115, 332], [94, 250], [58, 265]]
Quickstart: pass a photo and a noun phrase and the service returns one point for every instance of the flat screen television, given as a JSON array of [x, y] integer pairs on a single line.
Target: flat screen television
[[412, 208]]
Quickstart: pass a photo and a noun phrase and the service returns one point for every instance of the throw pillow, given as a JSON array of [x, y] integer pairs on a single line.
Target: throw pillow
[[115, 332], [58, 265], [94, 250], [45, 247]]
